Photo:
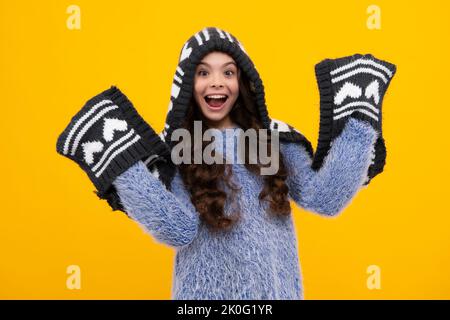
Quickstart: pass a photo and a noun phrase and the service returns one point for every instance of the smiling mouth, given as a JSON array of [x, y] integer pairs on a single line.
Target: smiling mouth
[[216, 101]]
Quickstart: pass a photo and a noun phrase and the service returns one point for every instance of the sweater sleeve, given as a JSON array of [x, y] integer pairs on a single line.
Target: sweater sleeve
[[330, 189], [169, 216]]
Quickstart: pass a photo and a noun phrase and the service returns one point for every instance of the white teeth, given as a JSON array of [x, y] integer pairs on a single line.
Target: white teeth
[[216, 96]]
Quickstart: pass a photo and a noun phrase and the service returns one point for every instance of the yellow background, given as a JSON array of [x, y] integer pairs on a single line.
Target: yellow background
[[50, 217]]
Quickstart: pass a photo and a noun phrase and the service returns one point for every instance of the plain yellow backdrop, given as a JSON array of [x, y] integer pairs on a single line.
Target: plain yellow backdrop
[[51, 219]]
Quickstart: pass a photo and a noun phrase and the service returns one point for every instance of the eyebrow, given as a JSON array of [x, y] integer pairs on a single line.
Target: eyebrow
[[225, 64]]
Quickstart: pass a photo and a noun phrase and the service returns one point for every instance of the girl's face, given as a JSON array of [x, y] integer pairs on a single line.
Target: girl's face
[[216, 88]]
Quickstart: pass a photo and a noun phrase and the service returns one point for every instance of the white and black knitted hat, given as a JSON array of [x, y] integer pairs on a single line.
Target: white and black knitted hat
[[200, 44]]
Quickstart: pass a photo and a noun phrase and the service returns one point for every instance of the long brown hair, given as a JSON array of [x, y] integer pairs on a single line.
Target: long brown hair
[[205, 182]]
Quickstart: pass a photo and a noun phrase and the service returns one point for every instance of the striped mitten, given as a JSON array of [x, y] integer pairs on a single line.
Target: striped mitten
[[106, 137], [352, 86]]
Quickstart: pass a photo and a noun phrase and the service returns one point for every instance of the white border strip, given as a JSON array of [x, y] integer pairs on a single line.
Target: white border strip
[[126, 146], [357, 103], [344, 114], [362, 61], [111, 147], [359, 70]]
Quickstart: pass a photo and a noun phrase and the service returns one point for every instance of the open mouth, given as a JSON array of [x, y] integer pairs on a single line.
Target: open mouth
[[216, 101]]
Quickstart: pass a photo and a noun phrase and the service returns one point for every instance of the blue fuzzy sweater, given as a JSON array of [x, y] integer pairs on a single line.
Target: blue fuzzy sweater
[[258, 258]]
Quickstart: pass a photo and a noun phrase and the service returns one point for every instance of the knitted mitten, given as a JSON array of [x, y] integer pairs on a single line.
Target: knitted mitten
[[106, 137], [352, 86]]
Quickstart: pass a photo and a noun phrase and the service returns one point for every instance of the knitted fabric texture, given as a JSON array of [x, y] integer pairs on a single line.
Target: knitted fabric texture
[[106, 137], [352, 87], [258, 258]]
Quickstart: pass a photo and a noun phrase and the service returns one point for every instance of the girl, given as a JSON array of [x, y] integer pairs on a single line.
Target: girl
[[231, 226]]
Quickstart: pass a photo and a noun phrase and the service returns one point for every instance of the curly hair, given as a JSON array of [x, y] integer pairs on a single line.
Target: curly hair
[[205, 182]]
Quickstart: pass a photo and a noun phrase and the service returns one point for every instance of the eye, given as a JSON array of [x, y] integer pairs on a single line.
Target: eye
[[200, 72], [231, 72]]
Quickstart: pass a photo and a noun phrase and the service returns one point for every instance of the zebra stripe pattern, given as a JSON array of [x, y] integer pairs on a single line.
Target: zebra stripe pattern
[[362, 97], [373, 68], [80, 122], [84, 123]]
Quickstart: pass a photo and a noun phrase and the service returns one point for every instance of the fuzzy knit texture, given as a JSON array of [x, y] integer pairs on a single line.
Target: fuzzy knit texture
[[258, 258]]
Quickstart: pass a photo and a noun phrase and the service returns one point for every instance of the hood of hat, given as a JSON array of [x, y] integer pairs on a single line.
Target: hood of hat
[[194, 49]]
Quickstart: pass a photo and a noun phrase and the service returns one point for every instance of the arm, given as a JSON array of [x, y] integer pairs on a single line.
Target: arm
[[329, 190], [350, 150], [168, 215]]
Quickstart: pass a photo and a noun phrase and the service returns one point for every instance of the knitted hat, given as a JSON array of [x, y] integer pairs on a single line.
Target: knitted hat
[[199, 45]]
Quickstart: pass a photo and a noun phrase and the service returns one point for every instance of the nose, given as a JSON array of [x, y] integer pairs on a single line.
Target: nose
[[217, 82]]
